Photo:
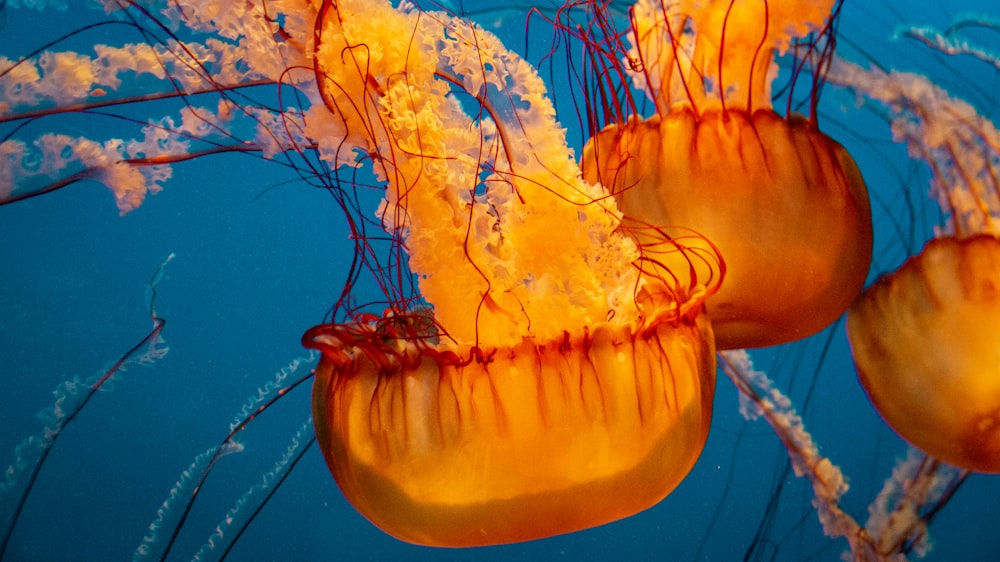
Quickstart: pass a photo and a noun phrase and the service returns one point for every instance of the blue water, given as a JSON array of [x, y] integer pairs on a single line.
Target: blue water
[[260, 257]]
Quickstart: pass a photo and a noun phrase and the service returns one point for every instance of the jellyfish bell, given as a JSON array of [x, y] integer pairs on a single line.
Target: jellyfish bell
[[549, 387], [443, 446], [924, 340], [784, 203]]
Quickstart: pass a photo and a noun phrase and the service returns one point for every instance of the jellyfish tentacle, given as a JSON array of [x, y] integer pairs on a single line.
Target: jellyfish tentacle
[[71, 397]]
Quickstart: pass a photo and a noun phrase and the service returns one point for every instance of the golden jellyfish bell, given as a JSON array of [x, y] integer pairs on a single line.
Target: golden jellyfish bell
[[926, 341], [535, 440], [549, 387], [785, 204]]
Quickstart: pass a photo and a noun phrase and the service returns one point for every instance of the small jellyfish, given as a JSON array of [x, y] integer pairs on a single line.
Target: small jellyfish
[[926, 338], [784, 203]]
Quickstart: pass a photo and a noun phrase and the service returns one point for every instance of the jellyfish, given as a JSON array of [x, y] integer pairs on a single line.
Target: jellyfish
[[924, 337], [784, 203], [538, 337]]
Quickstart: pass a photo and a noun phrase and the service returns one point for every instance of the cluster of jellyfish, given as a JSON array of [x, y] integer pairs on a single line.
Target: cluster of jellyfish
[[542, 354]]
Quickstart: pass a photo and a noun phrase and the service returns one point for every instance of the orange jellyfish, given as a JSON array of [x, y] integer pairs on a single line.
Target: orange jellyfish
[[926, 338], [785, 204], [547, 387]]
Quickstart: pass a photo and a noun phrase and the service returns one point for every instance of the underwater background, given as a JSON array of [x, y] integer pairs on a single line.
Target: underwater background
[[260, 257]]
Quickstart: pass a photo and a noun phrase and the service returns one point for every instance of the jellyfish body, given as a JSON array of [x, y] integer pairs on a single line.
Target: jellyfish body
[[549, 388], [925, 339], [785, 204], [534, 441]]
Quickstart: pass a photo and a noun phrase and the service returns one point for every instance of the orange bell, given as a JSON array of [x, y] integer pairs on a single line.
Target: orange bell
[[516, 444], [926, 342], [785, 205]]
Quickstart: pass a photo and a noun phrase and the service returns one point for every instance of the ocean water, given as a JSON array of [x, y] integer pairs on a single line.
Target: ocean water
[[260, 257]]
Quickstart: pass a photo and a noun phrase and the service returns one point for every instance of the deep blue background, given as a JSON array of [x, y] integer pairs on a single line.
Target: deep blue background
[[260, 258]]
